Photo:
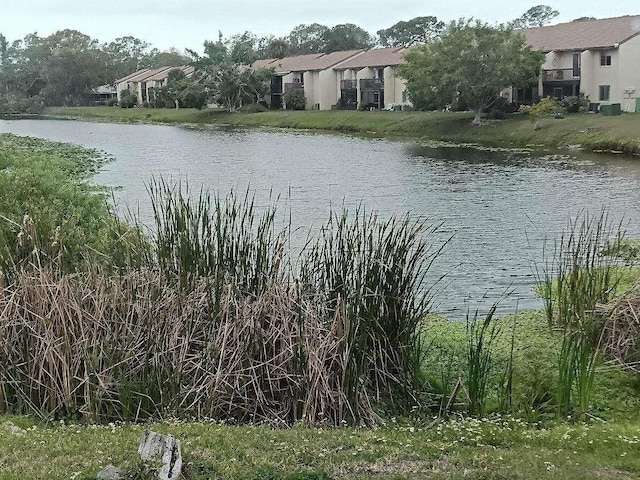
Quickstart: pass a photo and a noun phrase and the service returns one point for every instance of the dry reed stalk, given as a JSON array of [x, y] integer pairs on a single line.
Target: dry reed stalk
[[132, 347], [621, 331]]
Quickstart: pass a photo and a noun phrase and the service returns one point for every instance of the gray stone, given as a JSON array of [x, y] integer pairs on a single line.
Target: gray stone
[[155, 447], [110, 472]]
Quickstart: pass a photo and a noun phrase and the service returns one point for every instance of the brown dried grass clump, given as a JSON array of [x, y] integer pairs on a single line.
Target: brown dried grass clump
[[621, 331], [132, 347]]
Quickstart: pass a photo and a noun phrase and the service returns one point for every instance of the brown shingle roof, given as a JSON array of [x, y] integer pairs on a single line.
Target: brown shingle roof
[[156, 74], [378, 57], [164, 73], [310, 62], [264, 63], [131, 75], [591, 34], [144, 74], [313, 61], [296, 63]]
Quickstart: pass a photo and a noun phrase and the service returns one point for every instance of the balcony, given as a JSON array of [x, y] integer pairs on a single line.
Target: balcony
[[348, 84], [372, 84], [293, 86], [561, 75]]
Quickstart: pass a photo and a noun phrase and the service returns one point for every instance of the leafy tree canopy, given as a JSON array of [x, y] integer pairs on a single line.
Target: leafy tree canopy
[[306, 39], [272, 47], [125, 55], [169, 58], [537, 16], [346, 36], [215, 53], [416, 31], [242, 48], [470, 64], [233, 85]]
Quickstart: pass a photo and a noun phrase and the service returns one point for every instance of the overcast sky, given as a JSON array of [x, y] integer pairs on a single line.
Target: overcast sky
[[187, 23]]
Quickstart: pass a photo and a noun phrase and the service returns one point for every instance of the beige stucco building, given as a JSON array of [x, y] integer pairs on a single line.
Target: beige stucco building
[[142, 82], [599, 58], [347, 79]]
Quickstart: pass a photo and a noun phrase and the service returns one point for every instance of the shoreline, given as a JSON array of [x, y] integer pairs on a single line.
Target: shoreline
[[588, 132]]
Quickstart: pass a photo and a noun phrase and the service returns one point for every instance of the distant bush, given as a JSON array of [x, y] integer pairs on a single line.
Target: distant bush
[[128, 99], [193, 97], [498, 110], [295, 99], [112, 102], [12, 104], [545, 107], [254, 108], [574, 104]]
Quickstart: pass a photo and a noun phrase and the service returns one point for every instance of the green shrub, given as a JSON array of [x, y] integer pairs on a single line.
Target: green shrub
[[193, 96], [546, 107], [577, 278], [128, 99], [254, 108], [498, 109], [574, 104], [49, 213], [295, 99]]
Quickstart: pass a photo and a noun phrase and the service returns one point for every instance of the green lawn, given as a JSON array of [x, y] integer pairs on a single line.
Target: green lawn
[[596, 131], [491, 448]]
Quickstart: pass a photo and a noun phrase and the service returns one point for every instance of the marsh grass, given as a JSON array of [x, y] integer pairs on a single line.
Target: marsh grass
[[202, 321], [481, 336], [579, 277], [225, 239], [134, 347], [375, 271], [50, 215]]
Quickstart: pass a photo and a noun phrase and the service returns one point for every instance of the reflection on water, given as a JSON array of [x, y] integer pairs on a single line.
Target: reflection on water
[[498, 207]]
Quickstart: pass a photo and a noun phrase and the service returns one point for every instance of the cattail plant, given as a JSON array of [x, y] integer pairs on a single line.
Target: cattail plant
[[375, 271], [481, 335], [206, 323], [578, 277], [225, 239]]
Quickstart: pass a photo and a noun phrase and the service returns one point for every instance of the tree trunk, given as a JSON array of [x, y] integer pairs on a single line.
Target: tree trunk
[[477, 120]]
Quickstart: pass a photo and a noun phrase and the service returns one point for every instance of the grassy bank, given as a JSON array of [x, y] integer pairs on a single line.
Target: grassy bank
[[51, 183], [592, 131], [491, 448]]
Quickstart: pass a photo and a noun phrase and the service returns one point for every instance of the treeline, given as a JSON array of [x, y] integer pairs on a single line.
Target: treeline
[[64, 68]]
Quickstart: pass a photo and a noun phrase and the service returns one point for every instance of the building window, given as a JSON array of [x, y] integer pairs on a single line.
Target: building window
[[605, 92], [605, 59], [405, 96]]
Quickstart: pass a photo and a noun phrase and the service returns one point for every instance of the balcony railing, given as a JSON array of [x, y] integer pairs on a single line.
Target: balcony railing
[[560, 74], [348, 84], [372, 84], [293, 86]]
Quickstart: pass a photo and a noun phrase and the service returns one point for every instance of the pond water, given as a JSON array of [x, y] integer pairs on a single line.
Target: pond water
[[498, 207]]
